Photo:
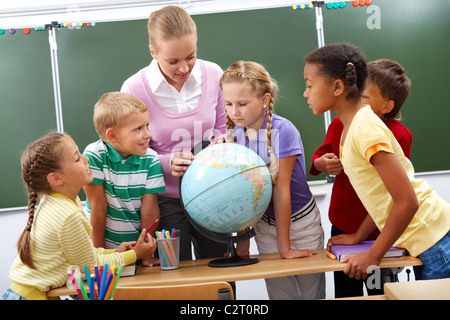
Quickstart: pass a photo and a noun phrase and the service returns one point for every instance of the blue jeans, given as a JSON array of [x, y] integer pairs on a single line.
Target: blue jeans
[[436, 261], [11, 295]]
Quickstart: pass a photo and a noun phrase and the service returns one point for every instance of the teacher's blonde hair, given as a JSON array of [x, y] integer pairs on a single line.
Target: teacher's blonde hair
[[168, 23]]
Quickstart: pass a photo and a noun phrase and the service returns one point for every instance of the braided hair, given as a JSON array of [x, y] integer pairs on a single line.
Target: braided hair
[[261, 83], [40, 158], [342, 61]]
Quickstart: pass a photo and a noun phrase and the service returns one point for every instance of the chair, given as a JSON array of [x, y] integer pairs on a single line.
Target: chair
[[195, 291]]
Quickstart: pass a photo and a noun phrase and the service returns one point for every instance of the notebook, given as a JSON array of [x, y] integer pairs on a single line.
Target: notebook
[[129, 270], [342, 251]]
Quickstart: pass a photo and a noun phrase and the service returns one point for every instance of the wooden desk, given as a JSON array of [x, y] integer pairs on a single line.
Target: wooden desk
[[269, 266], [418, 290]]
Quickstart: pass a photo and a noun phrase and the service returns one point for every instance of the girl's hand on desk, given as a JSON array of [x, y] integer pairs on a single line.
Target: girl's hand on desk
[[293, 254], [358, 264], [145, 246]]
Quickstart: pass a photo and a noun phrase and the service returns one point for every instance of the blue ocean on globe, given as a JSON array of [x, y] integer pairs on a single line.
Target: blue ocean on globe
[[227, 188]]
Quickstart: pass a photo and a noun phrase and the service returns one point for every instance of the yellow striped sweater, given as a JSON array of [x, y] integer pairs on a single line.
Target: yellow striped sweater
[[60, 238]]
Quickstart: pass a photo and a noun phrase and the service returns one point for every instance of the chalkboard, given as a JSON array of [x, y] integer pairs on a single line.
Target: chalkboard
[[98, 59], [27, 108], [418, 37]]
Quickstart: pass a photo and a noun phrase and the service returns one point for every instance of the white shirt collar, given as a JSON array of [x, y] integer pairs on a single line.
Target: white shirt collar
[[155, 77]]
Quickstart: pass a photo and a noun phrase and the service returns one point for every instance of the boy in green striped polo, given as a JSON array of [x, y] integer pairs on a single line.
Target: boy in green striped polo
[[122, 198]]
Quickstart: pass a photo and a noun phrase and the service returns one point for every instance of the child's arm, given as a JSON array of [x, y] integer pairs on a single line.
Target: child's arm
[[404, 207], [366, 228], [282, 204], [95, 194], [149, 213]]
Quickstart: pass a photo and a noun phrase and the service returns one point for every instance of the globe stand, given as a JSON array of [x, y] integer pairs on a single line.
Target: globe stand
[[233, 259]]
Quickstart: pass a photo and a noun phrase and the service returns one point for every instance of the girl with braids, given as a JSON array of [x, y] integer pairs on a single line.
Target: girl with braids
[[291, 225], [57, 234], [406, 210]]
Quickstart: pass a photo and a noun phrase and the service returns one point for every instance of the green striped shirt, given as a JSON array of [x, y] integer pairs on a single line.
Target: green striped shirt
[[125, 182]]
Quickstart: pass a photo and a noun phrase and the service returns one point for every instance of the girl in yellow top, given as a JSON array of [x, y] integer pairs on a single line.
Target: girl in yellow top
[[407, 211], [57, 235]]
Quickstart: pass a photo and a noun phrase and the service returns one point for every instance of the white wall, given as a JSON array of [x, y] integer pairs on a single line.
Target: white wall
[[12, 224]]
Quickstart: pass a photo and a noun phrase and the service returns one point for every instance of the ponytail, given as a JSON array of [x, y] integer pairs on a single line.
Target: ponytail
[[350, 77]]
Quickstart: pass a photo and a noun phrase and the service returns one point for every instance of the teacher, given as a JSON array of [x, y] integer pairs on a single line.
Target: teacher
[[185, 106]]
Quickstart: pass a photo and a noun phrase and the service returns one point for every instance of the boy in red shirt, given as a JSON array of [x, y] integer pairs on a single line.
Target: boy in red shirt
[[386, 89]]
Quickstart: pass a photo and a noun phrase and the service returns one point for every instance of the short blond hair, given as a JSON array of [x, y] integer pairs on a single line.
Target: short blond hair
[[171, 22], [113, 109]]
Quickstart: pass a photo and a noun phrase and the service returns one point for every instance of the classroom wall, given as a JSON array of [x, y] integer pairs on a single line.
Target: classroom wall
[[96, 60], [416, 35], [12, 224]]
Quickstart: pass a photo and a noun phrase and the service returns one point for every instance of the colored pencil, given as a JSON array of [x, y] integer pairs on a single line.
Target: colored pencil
[[72, 277], [92, 281], [119, 271], [151, 226], [82, 289], [105, 288], [108, 294]]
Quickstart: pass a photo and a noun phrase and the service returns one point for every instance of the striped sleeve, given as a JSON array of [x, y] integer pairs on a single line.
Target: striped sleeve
[[93, 152], [79, 250], [155, 180]]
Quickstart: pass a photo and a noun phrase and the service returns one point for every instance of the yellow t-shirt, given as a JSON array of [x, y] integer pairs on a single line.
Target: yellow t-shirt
[[60, 238], [368, 134]]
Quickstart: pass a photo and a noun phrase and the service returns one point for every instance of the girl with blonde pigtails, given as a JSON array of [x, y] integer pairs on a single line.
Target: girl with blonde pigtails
[[291, 225]]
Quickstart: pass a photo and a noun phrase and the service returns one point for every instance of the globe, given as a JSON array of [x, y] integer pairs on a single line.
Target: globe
[[225, 190]]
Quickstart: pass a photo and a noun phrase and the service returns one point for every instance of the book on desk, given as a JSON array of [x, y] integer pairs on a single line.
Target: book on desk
[[129, 270], [342, 251]]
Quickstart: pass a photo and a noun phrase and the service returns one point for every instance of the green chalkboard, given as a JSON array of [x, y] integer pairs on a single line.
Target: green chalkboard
[[98, 59], [27, 108]]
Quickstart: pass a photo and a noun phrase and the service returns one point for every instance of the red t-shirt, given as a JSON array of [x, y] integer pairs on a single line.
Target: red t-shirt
[[346, 212]]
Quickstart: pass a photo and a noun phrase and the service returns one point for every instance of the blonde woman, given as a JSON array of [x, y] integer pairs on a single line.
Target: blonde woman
[[185, 105]]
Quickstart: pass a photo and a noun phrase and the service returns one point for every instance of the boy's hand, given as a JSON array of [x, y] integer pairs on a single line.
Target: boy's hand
[[145, 246], [329, 163], [150, 262]]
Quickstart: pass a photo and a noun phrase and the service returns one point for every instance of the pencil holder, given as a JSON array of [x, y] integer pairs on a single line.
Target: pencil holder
[[169, 252]]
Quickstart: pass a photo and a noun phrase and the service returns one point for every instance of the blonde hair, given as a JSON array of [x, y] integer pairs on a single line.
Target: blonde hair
[[39, 159], [168, 23], [261, 83], [113, 109]]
